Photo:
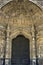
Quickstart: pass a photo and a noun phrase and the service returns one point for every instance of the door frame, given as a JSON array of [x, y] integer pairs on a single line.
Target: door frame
[[19, 31], [25, 34]]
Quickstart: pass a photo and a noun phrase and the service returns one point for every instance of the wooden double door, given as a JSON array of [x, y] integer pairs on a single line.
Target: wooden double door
[[20, 51]]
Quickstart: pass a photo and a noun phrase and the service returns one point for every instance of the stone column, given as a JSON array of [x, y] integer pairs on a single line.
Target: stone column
[[2, 44], [8, 58], [33, 46]]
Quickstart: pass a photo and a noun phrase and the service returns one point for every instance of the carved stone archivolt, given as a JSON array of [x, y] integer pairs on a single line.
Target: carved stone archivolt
[[19, 18]]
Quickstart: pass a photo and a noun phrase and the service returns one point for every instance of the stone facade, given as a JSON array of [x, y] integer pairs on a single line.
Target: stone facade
[[21, 18]]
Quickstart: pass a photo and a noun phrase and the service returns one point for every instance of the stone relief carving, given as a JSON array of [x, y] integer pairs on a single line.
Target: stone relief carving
[[2, 44], [22, 24]]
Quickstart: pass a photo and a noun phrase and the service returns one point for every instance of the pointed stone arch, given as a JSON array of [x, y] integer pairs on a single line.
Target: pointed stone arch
[[21, 21]]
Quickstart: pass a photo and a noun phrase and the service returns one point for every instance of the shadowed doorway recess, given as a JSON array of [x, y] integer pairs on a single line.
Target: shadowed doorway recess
[[20, 51]]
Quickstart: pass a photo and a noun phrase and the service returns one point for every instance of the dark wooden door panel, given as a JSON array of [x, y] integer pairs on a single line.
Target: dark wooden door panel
[[20, 51]]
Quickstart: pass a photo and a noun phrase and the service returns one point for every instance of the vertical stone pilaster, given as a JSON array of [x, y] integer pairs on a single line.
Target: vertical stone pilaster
[[33, 42], [33, 46], [2, 44], [8, 58]]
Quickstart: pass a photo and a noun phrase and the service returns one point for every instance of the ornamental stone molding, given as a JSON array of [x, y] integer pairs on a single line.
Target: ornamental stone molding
[[21, 18]]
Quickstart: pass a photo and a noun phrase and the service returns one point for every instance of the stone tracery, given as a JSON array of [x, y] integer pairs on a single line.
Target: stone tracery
[[21, 19]]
